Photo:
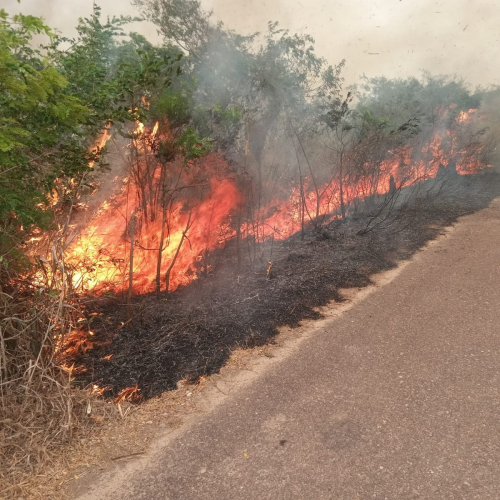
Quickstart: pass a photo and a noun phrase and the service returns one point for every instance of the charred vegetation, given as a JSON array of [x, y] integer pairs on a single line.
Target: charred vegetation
[[161, 206]]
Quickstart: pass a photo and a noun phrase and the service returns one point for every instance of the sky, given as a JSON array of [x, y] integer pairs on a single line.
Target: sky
[[393, 38]]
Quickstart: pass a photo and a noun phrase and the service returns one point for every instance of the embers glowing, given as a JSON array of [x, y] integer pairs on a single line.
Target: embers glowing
[[129, 394]]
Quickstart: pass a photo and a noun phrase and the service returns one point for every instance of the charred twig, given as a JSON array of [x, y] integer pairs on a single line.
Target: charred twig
[[169, 270]]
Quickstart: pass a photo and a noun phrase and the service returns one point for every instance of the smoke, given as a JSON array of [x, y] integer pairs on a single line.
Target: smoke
[[490, 122], [63, 15], [394, 38], [385, 37]]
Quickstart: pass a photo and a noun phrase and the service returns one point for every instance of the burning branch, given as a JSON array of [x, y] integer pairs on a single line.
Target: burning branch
[[131, 268], [179, 246]]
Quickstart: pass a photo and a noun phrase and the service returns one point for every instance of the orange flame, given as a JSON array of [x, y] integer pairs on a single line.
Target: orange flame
[[129, 394], [100, 143], [194, 227], [281, 219], [200, 223]]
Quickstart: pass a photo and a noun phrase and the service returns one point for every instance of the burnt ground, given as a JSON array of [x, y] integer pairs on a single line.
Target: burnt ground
[[193, 331]]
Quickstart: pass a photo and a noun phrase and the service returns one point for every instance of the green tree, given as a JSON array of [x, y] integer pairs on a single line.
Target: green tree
[[40, 129]]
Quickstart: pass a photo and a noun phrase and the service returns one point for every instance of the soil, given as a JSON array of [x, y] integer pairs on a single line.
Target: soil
[[393, 396], [192, 332], [211, 326]]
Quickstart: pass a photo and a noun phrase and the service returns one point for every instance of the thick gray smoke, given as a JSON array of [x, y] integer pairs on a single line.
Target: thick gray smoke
[[396, 38], [63, 15], [490, 120], [390, 37]]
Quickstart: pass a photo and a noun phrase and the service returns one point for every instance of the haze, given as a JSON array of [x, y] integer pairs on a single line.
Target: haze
[[394, 38]]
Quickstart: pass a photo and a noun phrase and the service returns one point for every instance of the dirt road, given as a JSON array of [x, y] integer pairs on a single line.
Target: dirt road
[[398, 398]]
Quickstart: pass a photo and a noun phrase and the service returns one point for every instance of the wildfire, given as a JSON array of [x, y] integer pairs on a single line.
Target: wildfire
[[100, 143], [129, 394], [465, 116], [170, 245], [193, 226]]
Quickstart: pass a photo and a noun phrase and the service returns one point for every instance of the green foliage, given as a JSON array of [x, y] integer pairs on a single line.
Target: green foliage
[[372, 120], [181, 22], [112, 74], [40, 127], [423, 100], [229, 116], [175, 106], [193, 146], [90, 65]]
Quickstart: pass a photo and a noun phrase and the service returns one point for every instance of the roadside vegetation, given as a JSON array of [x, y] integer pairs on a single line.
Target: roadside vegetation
[[252, 186]]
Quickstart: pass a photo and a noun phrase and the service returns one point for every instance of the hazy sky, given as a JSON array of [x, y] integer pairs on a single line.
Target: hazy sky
[[376, 37]]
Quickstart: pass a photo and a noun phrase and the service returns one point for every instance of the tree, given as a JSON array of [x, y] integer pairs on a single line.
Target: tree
[[41, 138]]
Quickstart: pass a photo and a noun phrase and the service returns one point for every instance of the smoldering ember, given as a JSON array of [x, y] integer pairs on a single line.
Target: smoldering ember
[[168, 205]]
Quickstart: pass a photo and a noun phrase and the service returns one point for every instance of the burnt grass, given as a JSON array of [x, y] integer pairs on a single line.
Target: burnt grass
[[192, 332]]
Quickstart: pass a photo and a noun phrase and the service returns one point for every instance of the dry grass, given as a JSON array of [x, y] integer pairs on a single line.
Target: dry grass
[[49, 428], [39, 410], [50, 431]]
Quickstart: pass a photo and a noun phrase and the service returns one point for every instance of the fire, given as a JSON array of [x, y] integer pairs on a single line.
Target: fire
[[139, 129], [98, 391], [465, 116], [196, 221], [171, 236], [281, 219], [155, 129], [100, 143], [129, 394]]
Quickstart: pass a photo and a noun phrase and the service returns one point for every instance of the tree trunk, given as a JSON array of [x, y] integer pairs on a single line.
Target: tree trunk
[[131, 268], [160, 251], [169, 270]]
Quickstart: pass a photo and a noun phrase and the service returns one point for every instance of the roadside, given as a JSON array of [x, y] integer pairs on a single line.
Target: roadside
[[397, 398], [112, 436], [192, 332]]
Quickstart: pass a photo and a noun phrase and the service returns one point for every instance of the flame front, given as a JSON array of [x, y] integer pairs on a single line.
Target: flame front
[[193, 221], [173, 237], [280, 219]]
